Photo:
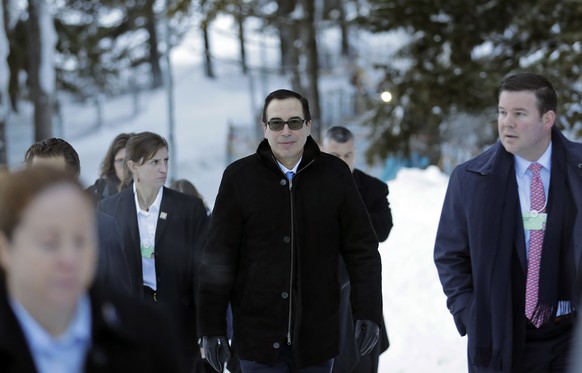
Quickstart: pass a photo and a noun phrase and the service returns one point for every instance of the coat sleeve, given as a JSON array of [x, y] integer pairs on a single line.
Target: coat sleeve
[[219, 260], [200, 232], [452, 253], [380, 214], [112, 269], [360, 253]]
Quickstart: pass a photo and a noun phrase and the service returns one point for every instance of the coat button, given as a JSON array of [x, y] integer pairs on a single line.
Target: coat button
[[283, 182], [287, 239], [284, 295], [276, 345], [99, 356]]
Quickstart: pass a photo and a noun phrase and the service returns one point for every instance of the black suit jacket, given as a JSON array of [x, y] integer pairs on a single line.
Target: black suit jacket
[[126, 336], [374, 193], [180, 233], [112, 270]]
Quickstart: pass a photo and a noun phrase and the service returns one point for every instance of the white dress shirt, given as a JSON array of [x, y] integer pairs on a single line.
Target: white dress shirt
[[65, 353], [285, 169], [147, 222], [523, 176]]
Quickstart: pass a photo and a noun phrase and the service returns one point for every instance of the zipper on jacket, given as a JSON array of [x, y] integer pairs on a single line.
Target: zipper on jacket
[[292, 267], [289, 323]]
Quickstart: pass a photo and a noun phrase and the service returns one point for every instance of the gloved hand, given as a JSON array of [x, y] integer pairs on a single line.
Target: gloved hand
[[367, 334], [216, 351]]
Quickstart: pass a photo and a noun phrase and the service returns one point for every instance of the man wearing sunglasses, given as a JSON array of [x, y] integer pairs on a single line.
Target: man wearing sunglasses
[[282, 218]]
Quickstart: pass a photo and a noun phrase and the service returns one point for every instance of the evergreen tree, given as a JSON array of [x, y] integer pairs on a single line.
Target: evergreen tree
[[458, 53]]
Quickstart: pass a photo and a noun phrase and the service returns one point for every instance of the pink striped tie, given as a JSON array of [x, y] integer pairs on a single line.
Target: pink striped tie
[[536, 240]]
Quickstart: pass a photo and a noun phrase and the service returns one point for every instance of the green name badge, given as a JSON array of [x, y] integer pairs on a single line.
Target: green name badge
[[147, 251], [535, 221]]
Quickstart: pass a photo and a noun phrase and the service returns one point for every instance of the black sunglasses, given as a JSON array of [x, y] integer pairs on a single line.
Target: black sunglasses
[[293, 123]]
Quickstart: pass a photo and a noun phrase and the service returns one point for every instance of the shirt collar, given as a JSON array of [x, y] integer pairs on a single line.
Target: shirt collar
[[285, 169], [521, 164], [154, 208], [78, 330]]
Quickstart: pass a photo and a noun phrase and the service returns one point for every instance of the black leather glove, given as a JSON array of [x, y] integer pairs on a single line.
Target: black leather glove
[[367, 334], [216, 351]]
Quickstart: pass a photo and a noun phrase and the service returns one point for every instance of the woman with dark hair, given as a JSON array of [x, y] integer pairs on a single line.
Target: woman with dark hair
[[111, 172], [49, 319], [163, 232]]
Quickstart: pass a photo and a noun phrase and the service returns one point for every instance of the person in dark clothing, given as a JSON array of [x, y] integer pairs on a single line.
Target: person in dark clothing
[[50, 318], [281, 220], [186, 187], [163, 231], [339, 141], [508, 243], [112, 270], [111, 173]]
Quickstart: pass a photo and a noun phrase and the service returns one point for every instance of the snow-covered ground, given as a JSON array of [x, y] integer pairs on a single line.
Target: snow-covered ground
[[421, 331]]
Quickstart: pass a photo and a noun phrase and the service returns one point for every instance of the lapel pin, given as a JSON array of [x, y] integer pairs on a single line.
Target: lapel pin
[[163, 215]]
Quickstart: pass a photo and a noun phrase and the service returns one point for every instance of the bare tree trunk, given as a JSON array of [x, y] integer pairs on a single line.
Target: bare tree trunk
[[4, 78], [312, 67], [18, 39], [154, 57], [207, 57], [345, 47], [240, 19], [293, 57], [287, 36], [41, 61]]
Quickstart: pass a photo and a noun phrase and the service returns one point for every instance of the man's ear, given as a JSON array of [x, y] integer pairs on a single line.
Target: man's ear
[[549, 118]]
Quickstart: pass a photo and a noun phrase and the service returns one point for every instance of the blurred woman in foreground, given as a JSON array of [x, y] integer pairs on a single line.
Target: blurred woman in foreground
[[49, 319]]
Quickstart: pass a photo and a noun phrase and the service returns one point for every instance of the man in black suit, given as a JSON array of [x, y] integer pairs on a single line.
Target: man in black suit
[[112, 270], [339, 141]]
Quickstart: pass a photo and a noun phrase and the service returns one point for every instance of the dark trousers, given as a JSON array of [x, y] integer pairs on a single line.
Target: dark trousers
[[193, 361], [548, 349], [369, 362], [285, 364]]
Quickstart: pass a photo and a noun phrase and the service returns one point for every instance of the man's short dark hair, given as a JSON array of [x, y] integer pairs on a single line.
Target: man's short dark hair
[[282, 94], [339, 134], [54, 147], [547, 98]]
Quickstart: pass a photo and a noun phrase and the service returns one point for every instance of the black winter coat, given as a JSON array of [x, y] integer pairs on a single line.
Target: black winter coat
[[273, 251], [458, 246]]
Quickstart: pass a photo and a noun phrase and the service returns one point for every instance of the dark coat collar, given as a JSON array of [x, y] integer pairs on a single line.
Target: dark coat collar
[[310, 153], [483, 163]]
